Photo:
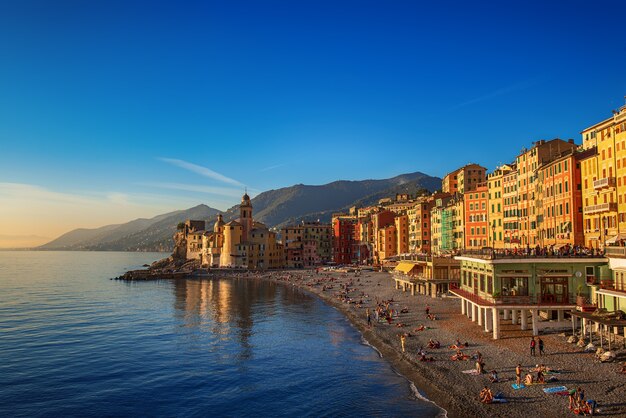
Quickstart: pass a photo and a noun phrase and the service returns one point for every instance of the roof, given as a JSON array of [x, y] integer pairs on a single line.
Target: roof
[[405, 267], [233, 223]]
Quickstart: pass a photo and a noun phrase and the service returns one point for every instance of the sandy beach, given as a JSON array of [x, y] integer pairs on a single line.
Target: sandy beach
[[443, 380]]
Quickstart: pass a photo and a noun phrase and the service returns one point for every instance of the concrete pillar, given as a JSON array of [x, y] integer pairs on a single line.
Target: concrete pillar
[[473, 313], [524, 315], [514, 316], [462, 306], [533, 313], [584, 327], [560, 315], [488, 320], [505, 314], [481, 315], [496, 323]]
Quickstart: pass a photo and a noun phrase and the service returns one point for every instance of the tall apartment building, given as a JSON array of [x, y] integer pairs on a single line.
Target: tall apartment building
[[604, 180], [463, 179], [344, 242], [527, 163], [510, 205], [559, 200], [476, 224]]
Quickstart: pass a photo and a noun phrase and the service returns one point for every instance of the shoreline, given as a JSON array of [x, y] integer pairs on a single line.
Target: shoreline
[[443, 381]]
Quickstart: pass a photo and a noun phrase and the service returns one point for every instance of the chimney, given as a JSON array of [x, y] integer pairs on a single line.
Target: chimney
[[570, 141]]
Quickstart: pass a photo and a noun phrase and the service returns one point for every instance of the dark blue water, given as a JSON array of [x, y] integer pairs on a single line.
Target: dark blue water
[[73, 343]]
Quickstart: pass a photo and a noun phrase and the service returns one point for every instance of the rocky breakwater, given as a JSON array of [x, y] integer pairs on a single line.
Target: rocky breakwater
[[167, 268]]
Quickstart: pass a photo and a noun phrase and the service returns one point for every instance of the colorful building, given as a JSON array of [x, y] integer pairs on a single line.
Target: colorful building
[[401, 223], [518, 289], [344, 243], [242, 243], [307, 244], [559, 201], [527, 164], [603, 174], [476, 224]]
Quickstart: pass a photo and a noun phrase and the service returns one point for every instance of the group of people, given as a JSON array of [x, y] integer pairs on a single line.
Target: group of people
[[533, 346], [550, 251], [579, 405]]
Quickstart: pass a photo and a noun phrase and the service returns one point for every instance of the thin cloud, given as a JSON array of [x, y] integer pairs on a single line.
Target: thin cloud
[[222, 191], [272, 167], [500, 92], [203, 171]]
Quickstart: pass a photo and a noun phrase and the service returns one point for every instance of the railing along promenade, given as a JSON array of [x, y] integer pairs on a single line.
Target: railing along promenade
[[494, 254]]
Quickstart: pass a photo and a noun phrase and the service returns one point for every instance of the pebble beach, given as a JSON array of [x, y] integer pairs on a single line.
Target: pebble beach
[[443, 380]]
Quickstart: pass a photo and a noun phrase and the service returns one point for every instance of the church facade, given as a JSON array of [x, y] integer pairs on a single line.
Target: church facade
[[241, 243]]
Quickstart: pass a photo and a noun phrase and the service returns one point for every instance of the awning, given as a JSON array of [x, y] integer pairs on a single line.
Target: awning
[[616, 238], [404, 267]]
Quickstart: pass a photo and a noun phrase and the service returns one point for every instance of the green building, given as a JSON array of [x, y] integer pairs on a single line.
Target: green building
[[522, 288]]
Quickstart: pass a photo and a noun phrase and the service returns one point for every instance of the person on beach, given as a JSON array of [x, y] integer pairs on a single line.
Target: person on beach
[[541, 352], [486, 396], [427, 310], [533, 343], [493, 377], [402, 341], [369, 318], [528, 380], [518, 374], [540, 377]]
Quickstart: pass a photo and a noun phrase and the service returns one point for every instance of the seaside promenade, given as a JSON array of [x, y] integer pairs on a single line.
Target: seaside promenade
[[443, 380]]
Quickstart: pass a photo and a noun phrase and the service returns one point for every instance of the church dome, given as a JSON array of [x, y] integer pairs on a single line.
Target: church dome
[[218, 223]]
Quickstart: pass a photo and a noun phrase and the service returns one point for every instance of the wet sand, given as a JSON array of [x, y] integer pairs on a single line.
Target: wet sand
[[442, 381]]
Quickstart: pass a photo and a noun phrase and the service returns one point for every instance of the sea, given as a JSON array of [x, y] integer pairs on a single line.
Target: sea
[[74, 343]]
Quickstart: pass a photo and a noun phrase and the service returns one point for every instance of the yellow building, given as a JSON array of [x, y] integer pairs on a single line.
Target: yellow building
[[510, 206], [603, 174], [242, 243], [495, 215]]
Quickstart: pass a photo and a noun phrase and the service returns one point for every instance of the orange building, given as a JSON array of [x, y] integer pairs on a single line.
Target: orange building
[[527, 165], [476, 223], [559, 201], [463, 179], [402, 230]]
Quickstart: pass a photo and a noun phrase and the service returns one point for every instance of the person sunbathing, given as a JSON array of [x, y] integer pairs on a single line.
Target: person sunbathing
[[485, 395], [528, 380], [420, 328], [424, 358], [493, 377]]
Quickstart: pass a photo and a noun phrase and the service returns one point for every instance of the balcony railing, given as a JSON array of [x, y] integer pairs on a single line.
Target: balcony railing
[[615, 251], [523, 253], [603, 207], [603, 183]]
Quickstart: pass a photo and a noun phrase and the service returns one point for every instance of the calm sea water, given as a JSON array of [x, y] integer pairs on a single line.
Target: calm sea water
[[73, 343]]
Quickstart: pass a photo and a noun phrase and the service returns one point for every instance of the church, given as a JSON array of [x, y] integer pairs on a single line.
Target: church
[[242, 243]]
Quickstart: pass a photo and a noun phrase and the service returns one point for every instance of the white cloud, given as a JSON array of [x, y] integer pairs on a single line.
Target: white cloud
[[203, 171], [222, 191], [273, 167]]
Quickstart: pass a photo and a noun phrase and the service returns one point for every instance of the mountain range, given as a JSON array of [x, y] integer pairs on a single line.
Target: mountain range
[[275, 208]]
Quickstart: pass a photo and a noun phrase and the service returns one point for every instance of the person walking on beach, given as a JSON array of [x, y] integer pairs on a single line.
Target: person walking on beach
[[541, 352], [427, 310], [369, 318], [518, 374], [533, 343], [402, 341]]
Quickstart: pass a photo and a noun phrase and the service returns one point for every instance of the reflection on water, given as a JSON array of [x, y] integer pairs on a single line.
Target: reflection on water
[[75, 343]]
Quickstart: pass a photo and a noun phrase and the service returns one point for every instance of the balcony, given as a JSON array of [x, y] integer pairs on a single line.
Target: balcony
[[603, 207], [604, 183], [618, 252]]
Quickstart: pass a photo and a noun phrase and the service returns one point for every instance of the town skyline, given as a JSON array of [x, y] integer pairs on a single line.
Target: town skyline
[[115, 112]]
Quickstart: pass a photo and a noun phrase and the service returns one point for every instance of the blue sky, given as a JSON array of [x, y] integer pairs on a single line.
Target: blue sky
[[146, 107]]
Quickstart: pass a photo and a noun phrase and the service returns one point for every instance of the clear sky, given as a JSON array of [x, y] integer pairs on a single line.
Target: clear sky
[[115, 110]]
